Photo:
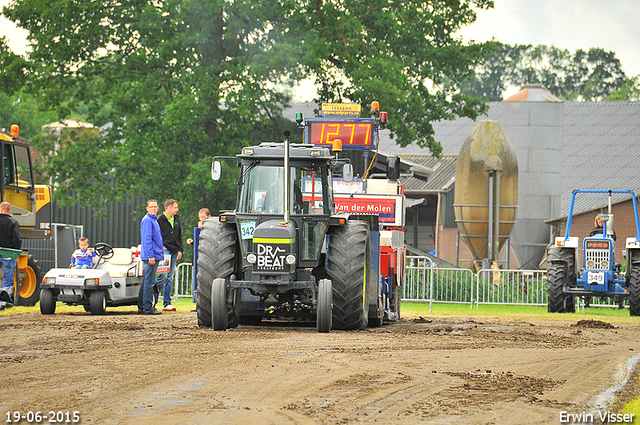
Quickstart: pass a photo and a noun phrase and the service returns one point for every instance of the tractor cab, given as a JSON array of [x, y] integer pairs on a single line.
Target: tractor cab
[[282, 213]]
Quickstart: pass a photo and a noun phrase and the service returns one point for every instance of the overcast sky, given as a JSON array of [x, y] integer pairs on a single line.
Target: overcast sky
[[568, 24]]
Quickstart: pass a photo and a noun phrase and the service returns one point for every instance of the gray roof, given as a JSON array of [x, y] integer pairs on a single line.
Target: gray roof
[[442, 179], [600, 148]]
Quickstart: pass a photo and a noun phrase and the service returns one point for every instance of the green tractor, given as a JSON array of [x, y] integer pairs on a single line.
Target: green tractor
[[284, 252]]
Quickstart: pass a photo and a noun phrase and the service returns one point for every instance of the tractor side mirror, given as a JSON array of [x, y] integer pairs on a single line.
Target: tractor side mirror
[[347, 173], [216, 170]]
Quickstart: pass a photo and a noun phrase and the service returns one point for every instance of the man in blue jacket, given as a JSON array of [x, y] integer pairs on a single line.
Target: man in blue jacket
[[150, 253]]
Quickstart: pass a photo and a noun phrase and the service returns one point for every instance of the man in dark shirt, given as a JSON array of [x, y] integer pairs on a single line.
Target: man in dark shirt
[[9, 238], [172, 244]]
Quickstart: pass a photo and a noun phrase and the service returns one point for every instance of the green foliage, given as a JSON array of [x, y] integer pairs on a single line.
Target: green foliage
[[23, 109], [630, 90], [583, 75], [173, 83]]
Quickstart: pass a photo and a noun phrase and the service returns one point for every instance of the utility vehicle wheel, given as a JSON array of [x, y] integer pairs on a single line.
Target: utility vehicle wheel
[[325, 305], [560, 272], [47, 301], [216, 259], [634, 290], [30, 290], [86, 307], [349, 258], [97, 303]]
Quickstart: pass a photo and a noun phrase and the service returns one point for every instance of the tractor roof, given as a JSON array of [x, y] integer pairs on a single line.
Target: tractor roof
[[271, 150]]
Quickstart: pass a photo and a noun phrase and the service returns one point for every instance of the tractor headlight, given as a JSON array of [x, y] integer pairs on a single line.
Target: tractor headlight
[[591, 264], [251, 258], [604, 264], [290, 259], [49, 280]]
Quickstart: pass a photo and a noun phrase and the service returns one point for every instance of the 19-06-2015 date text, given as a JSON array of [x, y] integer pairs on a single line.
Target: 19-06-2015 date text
[[48, 417]]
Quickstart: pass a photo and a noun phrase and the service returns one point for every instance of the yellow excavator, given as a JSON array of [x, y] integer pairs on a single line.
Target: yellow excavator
[[30, 206]]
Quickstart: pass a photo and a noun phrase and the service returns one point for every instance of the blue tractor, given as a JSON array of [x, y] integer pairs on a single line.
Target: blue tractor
[[597, 275]]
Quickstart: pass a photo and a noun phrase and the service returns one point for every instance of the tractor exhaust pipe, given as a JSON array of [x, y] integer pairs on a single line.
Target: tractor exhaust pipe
[[610, 231], [287, 189]]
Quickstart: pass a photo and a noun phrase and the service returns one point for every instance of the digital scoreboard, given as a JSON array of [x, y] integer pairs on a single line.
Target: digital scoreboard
[[354, 134]]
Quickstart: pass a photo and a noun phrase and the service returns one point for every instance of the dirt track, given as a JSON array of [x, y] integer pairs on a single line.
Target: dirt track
[[128, 369]]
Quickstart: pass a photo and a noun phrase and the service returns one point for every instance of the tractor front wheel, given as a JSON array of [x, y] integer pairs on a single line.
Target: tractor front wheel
[[223, 311], [325, 306]]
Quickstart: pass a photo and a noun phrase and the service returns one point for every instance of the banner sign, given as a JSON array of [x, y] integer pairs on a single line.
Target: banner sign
[[390, 209]]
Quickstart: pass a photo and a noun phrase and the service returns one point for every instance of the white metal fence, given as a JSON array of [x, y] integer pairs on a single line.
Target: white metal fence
[[182, 281], [426, 282]]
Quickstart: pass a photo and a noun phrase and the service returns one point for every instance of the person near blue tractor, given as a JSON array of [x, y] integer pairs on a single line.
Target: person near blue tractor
[[151, 253], [597, 230], [172, 247]]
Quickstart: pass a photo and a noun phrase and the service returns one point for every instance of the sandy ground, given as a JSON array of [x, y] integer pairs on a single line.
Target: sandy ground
[[123, 368]]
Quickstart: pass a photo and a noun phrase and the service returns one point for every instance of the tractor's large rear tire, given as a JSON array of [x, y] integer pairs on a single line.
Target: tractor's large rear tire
[[349, 258], [634, 282], [561, 264], [30, 290], [325, 306], [216, 259], [47, 301]]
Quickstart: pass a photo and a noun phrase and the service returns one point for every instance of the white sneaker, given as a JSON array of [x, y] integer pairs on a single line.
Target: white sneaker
[[169, 308]]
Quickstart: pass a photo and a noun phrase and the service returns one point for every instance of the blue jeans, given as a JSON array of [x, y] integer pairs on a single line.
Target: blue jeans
[[165, 280], [9, 269], [145, 296]]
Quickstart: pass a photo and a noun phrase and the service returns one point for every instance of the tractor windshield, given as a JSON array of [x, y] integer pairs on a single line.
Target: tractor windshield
[[262, 190]]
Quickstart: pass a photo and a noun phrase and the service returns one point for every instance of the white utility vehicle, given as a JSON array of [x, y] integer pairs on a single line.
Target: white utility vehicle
[[114, 280]]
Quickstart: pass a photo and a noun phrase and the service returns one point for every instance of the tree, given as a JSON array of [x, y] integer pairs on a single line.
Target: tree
[[583, 75], [176, 82], [630, 90]]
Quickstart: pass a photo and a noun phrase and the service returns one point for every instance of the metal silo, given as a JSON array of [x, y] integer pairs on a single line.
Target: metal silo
[[533, 119], [486, 194]]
